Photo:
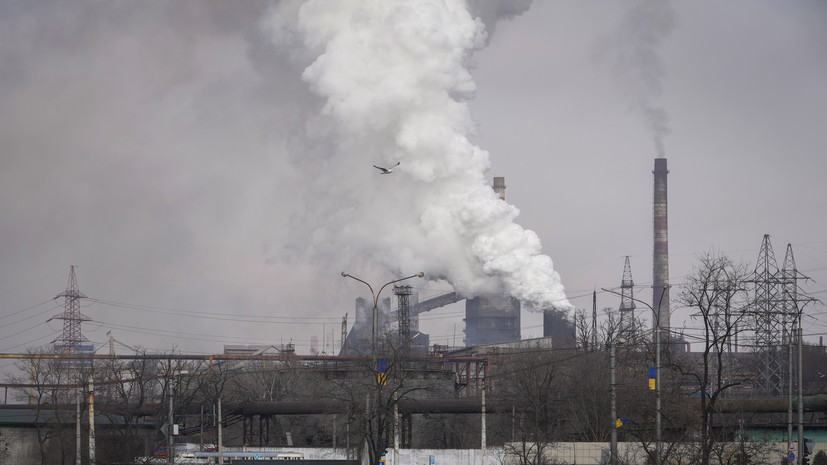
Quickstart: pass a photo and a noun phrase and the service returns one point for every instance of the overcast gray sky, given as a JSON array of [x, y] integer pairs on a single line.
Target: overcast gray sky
[[165, 149]]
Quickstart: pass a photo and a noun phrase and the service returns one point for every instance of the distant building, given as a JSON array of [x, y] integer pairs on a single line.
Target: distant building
[[282, 349], [491, 320]]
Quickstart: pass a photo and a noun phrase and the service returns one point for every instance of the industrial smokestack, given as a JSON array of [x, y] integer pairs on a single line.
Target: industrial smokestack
[[499, 187], [492, 319], [660, 256]]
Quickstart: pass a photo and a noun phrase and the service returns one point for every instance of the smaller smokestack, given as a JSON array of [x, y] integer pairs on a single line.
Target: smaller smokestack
[[499, 186]]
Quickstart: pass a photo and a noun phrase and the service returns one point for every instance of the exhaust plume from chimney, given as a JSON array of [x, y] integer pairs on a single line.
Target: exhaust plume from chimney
[[393, 85], [633, 55]]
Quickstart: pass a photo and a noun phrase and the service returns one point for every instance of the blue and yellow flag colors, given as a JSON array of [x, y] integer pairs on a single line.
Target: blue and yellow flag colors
[[620, 422], [382, 368], [653, 374]]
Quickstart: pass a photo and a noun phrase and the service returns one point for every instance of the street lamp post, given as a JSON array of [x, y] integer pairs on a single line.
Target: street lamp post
[[375, 332], [613, 396], [656, 313], [613, 457], [375, 297]]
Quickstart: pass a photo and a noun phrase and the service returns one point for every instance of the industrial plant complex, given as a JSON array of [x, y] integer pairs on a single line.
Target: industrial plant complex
[[591, 390]]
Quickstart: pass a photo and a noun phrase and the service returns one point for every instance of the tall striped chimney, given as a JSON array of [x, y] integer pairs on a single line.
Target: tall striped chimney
[[660, 256]]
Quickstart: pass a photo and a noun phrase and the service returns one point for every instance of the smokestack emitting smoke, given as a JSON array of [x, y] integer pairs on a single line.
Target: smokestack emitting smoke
[[499, 187], [660, 255], [393, 84]]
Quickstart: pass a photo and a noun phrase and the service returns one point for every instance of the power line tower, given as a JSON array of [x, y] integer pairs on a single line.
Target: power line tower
[[72, 339], [793, 299], [789, 294], [627, 300], [769, 320]]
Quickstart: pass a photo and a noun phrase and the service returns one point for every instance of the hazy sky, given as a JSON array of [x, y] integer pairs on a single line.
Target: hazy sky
[[173, 152]]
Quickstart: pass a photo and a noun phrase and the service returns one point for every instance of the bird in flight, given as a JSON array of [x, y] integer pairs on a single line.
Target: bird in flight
[[386, 170]]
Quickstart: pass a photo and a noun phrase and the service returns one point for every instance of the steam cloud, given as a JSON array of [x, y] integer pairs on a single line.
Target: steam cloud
[[392, 84], [637, 64]]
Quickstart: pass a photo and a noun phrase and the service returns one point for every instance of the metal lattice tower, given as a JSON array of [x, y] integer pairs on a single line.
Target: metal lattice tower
[[769, 320], [793, 299], [627, 299], [71, 339], [789, 290], [403, 293]]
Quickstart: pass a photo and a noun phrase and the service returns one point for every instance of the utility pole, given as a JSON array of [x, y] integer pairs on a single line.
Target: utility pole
[[613, 397], [344, 334], [658, 446], [482, 422], [91, 421], [594, 319], [220, 434], [170, 444], [395, 428], [77, 426], [789, 339], [791, 300], [656, 323], [800, 395]]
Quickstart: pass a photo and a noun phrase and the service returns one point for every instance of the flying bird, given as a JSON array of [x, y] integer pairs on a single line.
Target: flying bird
[[386, 170]]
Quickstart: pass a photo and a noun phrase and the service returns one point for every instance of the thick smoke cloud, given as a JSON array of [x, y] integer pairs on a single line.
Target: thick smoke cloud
[[392, 83]]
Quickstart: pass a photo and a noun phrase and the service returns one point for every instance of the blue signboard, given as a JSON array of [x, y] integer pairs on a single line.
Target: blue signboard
[[80, 349]]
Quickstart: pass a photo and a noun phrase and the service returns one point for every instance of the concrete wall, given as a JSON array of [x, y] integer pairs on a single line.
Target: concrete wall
[[406, 456], [19, 446], [585, 453], [594, 453]]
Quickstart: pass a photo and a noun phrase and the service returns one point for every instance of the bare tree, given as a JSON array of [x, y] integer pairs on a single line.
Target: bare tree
[[370, 394], [584, 332], [535, 383], [52, 385], [127, 393], [717, 291]]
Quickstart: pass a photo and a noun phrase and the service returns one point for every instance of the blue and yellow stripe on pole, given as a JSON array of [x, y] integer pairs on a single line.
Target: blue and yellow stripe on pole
[[382, 375], [653, 373]]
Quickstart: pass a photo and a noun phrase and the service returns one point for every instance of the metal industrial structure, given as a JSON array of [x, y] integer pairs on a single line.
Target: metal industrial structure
[[776, 311], [769, 326], [72, 340], [403, 294], [627, 299]]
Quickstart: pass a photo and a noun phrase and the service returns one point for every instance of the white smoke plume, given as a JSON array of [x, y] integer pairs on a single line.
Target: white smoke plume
[[392, 82], [634, 54]]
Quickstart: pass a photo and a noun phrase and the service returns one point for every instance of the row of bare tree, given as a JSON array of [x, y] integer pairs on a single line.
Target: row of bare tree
[[535, 397]]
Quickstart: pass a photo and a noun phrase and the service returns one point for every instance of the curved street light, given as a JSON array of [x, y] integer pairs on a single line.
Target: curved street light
[[656, 316], [375, 296]]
